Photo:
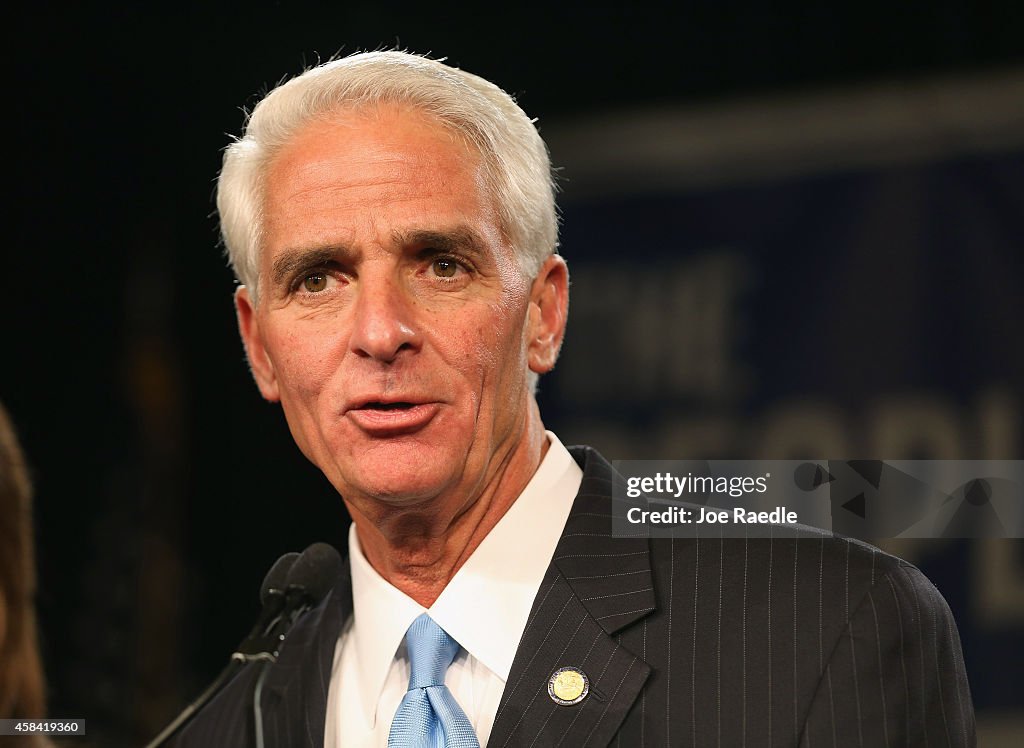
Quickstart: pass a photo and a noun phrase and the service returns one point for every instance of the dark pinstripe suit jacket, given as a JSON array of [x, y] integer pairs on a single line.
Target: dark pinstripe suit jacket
[[806, 641]]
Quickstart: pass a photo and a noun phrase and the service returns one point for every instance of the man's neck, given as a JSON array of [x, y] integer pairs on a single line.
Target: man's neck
[[421, 550]]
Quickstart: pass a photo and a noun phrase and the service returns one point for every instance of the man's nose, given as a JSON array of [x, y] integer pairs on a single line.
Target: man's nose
[[383, 325]]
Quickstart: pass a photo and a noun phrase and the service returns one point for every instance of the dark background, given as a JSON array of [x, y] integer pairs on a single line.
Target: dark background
[[165, 487]]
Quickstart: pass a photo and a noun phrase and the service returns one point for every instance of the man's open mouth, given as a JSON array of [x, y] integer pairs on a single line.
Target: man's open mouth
[[395, 418]]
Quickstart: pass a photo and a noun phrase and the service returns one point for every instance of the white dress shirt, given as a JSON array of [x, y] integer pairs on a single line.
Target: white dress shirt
[[484, 607]]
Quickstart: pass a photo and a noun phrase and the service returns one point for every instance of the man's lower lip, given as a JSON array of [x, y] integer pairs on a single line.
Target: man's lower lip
[[393, 421]]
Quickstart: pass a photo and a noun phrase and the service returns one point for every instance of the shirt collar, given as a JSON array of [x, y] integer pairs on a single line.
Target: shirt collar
[[486, 605], [381, 616]]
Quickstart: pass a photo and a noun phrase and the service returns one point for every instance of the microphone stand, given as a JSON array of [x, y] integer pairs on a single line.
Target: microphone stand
[[264, 650], [309, 578], [254, 647], [219, 682]]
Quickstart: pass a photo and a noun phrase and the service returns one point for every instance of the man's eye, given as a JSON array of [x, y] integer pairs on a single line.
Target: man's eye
[[445, 268], [315, 282]]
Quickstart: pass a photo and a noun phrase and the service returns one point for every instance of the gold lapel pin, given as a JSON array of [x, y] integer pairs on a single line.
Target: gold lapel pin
[[568, 686]]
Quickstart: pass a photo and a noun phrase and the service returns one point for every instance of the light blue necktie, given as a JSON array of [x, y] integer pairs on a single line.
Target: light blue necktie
[[429, 716]]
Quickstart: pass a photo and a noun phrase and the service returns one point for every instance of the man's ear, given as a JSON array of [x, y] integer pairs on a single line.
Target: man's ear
[[259, 362], [549, 310]]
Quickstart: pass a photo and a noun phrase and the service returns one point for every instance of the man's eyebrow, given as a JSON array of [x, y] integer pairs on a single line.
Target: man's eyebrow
[[291, 260], [457, 239]]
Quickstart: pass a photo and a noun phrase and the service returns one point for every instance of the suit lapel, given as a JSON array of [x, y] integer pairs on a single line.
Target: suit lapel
[[295, 690], [594, 587]]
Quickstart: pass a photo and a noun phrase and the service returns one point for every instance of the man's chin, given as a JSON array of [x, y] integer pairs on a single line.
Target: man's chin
[[402, 481], [394, 493], [398, 471]]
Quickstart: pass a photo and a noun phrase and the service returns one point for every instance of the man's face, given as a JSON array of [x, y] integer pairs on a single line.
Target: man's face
[[394, 324]]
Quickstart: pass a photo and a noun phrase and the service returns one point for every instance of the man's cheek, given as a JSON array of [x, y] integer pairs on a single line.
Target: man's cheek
[[304, 368]]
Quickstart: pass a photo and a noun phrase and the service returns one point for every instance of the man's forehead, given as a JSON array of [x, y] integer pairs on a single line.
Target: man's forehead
[[393, 150], [394, 177]]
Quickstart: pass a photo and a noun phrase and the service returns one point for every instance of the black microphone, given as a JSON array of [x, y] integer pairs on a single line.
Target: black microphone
[[277, 578], [272, 592], [313, 575], [294, 584], [310, 577]]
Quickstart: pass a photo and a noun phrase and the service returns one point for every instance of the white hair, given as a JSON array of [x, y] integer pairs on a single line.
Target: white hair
[[517, 170]]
